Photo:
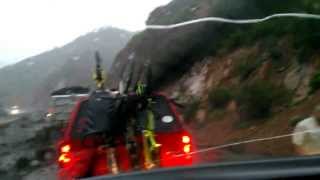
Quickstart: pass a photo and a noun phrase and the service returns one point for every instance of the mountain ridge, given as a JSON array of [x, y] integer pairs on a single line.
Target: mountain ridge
[[31, 80]]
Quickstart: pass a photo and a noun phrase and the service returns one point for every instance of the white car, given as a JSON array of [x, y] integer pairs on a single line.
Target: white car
[[14, 110]]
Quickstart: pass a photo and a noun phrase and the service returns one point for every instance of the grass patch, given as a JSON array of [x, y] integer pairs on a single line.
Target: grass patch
[[295, 120], [314, 83], [247, 66], [219, 98], [217, 114], [257, 100], [191, 110], [242, 124]]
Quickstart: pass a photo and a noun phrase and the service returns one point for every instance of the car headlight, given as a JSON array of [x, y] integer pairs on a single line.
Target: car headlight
[[14, 111], [49, 115]]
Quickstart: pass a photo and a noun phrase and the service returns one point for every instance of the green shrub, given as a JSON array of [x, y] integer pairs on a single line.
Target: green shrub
[[233, 41], [217, 114], [275, 54], [295, 120], [191, 110], [314, 83], [244, 69], [304, 55], [256, 100], [219, 98], [247, 66]]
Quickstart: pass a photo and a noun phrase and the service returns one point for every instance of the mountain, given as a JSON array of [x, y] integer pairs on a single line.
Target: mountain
[[30, 81], [237, 82], [2, 64]]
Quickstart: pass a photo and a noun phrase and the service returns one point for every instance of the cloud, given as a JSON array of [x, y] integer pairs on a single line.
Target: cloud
[[39, 25]]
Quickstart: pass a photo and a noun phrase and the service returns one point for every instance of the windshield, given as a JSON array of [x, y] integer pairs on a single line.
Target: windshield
[[191, 82]]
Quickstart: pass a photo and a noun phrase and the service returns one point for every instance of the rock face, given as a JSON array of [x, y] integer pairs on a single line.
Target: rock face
[[303, 89], [194, 83], [293, 78]]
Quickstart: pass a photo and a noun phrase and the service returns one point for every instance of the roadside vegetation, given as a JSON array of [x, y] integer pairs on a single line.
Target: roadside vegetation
[[315, 82], [219, 98], [191, 110], [258, 99], [247, 65]]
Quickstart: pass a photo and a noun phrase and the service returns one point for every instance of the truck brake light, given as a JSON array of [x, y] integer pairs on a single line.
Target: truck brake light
[[65, 148], [64, 158]]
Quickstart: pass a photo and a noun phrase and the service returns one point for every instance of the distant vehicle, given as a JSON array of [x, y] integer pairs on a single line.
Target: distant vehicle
[[62, 102], [14, 110], [78, 159]]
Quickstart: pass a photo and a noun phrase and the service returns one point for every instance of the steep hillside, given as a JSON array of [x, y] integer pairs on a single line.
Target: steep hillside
[[168, 48], [238, 82], [31, 80]]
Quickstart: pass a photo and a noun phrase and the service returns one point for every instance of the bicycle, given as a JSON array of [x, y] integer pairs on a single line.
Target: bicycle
[[120, 104]]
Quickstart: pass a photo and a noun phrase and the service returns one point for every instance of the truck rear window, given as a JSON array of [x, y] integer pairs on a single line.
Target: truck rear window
[[160, 108]]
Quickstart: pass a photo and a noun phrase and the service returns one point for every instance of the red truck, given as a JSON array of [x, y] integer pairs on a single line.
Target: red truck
[[78, 159]]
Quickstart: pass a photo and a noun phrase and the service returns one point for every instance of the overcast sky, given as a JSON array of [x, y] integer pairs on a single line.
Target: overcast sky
[[29, 27]]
